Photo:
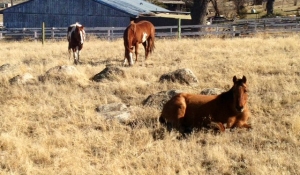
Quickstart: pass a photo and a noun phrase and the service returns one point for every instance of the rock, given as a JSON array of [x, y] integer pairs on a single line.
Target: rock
[[109, 73], [158, 100], [27, 78], [4, 67], [65, 69], [183, 76], [211, 91], [63, 73], [112, 111]]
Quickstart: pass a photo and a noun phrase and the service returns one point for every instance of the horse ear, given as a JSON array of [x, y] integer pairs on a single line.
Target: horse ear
[[244, 79], [234, 79]]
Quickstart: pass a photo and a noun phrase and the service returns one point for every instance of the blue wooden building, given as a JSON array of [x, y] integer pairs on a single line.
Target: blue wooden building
[[91, 13]]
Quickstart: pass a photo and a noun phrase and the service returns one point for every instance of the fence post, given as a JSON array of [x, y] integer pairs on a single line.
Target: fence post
[[52, 32], [35, 35], [179, 28], [108, 35], [43, 33], [233, 30]]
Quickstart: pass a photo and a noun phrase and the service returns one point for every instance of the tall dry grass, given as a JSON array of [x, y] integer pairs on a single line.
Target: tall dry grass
[[52, 127]]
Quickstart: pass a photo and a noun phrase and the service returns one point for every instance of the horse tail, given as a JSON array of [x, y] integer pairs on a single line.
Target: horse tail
[[152, 45], [152, 38]]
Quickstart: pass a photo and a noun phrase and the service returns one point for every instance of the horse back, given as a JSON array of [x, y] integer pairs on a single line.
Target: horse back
[[135, 31], [195, 108]]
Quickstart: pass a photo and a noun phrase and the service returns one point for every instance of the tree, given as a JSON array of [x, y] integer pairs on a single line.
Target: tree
[[198, 12], [269, 7], [240, 7], [215, 5]]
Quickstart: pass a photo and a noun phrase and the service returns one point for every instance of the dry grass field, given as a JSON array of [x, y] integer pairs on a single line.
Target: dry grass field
[[52, 127]]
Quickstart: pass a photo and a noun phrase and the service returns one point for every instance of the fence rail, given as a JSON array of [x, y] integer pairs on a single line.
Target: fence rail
[[238, 28]]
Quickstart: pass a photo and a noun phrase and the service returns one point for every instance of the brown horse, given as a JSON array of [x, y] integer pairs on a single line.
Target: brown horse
[[136, 33], [76, 37], [185, 111]]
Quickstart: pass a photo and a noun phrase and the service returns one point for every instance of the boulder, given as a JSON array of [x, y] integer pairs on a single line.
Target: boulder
[[118, 111], [158, 100], [65, 69], [26, 78], [111, 73], [63, 73], [6, 68], [182, 76], [211, 91]]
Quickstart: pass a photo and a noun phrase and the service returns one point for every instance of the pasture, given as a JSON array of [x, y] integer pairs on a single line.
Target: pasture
[[51, 127]]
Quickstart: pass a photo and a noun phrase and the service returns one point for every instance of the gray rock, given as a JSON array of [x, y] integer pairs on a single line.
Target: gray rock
[[63, 73], [4, 67], [158, 100], [211, 91], [109, 73], [112, 111], [65, 69], [183, 76], [26, 78]]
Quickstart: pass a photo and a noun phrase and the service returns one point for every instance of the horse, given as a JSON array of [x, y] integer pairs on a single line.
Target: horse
[[186, 111], [76, 37], [136, 33]]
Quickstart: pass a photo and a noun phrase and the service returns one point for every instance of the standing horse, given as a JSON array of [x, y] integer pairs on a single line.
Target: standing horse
[[136, 33], [185, 111], [76, 37]]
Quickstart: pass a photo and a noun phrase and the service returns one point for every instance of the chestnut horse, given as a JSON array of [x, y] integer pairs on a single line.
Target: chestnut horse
[[136, 33], [76, 37], [185, 111]]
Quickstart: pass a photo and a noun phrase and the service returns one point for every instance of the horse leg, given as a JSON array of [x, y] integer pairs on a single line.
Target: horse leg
[[79, 50], [131, 62], [136, 51], [78, 56], [147, 48], [145, 44], [75, 55], [70, 50], [128, 56]]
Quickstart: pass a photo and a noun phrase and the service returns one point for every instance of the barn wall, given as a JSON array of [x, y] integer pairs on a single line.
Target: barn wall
[[58, 13]]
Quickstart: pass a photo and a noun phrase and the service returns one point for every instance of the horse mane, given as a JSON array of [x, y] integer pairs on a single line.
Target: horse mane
[[133, 27], [228, 95]]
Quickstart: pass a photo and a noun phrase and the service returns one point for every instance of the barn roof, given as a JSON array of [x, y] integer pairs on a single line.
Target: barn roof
[[133, 7]]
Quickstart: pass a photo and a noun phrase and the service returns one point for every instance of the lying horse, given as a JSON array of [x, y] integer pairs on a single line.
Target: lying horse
[[185, 111], [76, 37], [136, 33]]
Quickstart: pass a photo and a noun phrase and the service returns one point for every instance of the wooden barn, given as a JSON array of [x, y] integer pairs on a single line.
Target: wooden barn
[[91, 13]]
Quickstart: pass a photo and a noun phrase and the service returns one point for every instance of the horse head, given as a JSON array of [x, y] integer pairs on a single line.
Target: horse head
[[80, 33], [240, 93]]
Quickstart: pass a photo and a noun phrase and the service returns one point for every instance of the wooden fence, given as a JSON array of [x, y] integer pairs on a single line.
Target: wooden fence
[[238, 28]]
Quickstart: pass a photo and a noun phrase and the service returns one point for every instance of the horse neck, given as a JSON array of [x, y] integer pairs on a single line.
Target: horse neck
[[227, 96]]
